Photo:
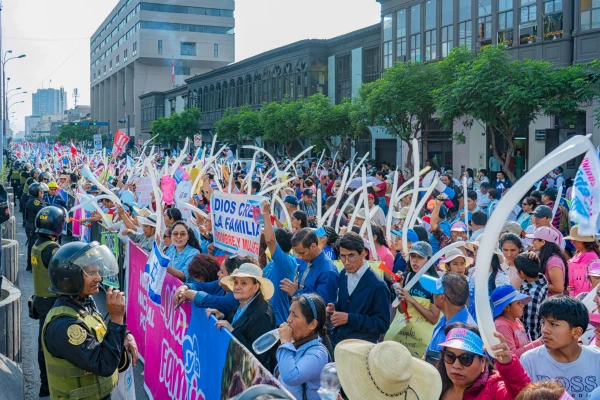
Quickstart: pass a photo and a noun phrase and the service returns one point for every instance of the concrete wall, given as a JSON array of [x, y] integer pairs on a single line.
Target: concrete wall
[[357, 69], [331, 78], [537, 148]]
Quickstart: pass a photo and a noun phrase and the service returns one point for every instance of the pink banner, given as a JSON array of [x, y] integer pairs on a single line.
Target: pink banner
[[140, 314]]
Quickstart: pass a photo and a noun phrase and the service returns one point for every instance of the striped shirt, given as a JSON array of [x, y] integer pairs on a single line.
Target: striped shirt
[[538, 290]]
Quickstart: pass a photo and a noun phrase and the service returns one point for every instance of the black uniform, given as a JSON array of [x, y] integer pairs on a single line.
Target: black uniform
[[97, 358], [31, 209]]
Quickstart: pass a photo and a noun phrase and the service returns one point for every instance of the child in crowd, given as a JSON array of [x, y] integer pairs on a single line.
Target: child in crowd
[[535, 286]]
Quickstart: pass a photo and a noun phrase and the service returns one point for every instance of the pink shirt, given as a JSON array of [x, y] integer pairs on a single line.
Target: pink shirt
[[385, 255], [578, 272], [516, 337], [554, 262]]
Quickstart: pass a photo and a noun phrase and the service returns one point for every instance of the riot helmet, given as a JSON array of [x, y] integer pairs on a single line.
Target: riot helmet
[[45, 176], [50, 220], [44, 188], [34, 190], [71, 261], [35, 173]]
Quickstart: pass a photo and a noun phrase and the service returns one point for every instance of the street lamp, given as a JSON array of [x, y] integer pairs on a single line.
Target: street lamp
[[4, 60]]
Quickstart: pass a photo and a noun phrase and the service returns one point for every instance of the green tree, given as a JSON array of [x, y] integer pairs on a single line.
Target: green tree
[[280, 122], [325, 122], [501, 93], [76, 132], [237, 125], [178, 126], [402, 101]]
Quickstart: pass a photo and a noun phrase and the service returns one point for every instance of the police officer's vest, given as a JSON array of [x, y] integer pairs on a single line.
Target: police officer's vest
[[28, 182], [41, 279], [16, 175], [24, 176], [66, 381]]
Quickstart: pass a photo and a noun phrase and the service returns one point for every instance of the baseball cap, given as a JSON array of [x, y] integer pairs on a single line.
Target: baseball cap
[[593, 267], [544, 233], [93, 189], [308, 193], [464, 339], [504, 295], [411, 235], [431, 204], [421, 248], [552, 193], [512, 227], [52, 185], [542, 211], [458, 226], [431, 284], [293, 200], [370, 196]]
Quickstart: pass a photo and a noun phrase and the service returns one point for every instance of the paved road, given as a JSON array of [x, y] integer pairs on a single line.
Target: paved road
[[29, 328]]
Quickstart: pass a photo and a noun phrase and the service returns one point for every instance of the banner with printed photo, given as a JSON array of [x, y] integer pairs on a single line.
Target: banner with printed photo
[[236, 221], [143, 191]]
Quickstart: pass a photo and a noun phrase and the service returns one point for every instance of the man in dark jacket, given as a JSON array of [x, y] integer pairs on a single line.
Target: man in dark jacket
[[363, 307]]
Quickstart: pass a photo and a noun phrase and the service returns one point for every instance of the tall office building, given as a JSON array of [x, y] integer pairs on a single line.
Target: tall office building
[[143, 47], [48, 101]]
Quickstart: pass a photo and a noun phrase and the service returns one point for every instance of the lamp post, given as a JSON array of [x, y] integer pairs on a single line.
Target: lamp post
[[5, 59]]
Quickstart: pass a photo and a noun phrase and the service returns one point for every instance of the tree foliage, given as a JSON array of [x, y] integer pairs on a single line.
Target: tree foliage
[[178, 126], [502, 93], [331, 126], [402, 101], [78, 133], [280, 122], [239, 125]]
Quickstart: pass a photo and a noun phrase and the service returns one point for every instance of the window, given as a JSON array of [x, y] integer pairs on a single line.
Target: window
[[484, 7], [590, 14], [430, 8], [464, 10], [216, 50], [387, 41], [401, 35], [465, 34], [104, 70], [168, 26], [182, 71], [528, 24], [212, 12], [110, 65], [447, 40], [504, 5], [134, 52], [160, 49], [430, 45], [343, 78], [117, 61], [553, 20], [415, 48], [447, 27], [484, 31], [505, 27], [415, 19], [430, 32], [371, 65]]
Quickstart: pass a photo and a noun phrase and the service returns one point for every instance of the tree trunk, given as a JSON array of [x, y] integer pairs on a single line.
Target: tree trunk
[[504, 166], [409, 161]]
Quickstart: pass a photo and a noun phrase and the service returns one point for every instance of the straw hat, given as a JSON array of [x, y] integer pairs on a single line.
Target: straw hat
[[402, 214], [580, 238], [384, 371], [471, 247], [248, 270]]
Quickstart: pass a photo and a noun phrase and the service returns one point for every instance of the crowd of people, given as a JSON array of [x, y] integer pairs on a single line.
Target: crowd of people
[[343, 289]]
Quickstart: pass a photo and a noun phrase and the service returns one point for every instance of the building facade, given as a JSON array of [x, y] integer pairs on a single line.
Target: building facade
[[154, 46], [48, 101]]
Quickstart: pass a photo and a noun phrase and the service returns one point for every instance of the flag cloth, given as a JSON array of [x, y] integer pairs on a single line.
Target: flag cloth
[[130, 163], [585, 205], [73, 149], [156, 270]]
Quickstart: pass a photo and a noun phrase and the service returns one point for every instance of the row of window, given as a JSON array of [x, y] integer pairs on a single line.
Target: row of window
[[169, 26], [112, 21], [115, 31], [97, 75], [211, 12], [188, 48], [117, 44], [408, 33]]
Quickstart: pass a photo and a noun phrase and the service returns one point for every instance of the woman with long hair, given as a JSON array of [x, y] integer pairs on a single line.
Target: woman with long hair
[[381, 247], [305, 347], [468, 374], [299, 220], [527, 207], [511, 246], [182, 250], [552, 259], [586, 251]]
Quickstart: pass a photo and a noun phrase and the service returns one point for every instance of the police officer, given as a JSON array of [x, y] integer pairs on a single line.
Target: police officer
[[49, 224], [33, 177], [22, 182], [83, 353], [15, 180], [34, 205]]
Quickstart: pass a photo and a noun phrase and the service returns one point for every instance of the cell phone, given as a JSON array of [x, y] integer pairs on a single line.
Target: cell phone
[[196, 197], [432, 357]]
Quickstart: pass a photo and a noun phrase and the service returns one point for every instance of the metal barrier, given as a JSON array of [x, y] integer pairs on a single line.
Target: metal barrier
[[10, 259], [10, 321], [9, 228]]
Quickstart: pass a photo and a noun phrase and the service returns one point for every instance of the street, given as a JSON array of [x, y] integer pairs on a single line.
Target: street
[[29, 328]]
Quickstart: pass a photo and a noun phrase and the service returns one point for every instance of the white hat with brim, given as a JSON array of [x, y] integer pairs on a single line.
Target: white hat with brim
[[384, 371], [471, 246], [453, 254], [150, 220], [249, 270], [402, 214]]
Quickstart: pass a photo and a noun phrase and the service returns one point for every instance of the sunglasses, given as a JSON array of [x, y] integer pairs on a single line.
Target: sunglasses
[[179, 234], [465, 359]]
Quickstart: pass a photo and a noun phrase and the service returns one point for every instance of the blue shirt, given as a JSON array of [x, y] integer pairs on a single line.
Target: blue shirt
[[241, 309], [399, 263], [280, 267], [211, 295], [180, 261], [322, 278], [328, 250], [438, 332], [302, 365]]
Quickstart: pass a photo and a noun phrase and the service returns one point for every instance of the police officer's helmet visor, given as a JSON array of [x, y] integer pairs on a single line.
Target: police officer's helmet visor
[[98, 261]]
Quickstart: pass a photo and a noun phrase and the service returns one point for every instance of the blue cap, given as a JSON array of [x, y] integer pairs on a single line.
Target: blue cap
[[464, 339], [320, 232], [93, 189], [411, 235], [293, 200], [504, 295], [431, 284]]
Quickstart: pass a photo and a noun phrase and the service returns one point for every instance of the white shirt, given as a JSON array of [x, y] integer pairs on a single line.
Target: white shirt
[[482, 200], [354, 278], [377, 216], [560, 181]]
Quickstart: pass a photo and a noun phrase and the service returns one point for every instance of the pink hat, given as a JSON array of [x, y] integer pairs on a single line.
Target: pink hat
[[594, 268], [544, 233], [459, 226]]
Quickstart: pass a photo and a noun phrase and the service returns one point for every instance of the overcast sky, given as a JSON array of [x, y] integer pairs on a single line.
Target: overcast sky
[[54, 34]]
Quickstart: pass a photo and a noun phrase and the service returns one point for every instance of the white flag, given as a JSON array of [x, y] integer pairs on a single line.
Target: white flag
[[585, 205], [156, 268]]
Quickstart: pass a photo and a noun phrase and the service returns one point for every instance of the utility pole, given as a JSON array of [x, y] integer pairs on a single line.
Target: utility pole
[[2, 133]]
